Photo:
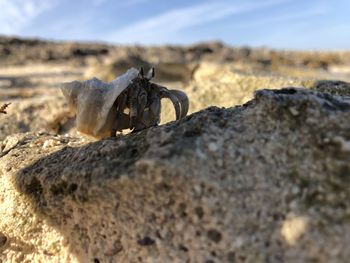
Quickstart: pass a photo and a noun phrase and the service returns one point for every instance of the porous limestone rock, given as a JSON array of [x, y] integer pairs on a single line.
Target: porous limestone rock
[[267, 181]]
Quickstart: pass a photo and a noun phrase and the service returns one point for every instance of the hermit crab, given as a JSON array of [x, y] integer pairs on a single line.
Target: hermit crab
[[131, 101]]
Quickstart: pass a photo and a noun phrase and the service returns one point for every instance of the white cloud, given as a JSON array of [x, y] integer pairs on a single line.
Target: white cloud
[[15, 14], [166, 26]]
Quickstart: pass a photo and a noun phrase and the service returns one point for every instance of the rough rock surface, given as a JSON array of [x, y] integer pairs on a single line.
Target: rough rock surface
[[264, 182]]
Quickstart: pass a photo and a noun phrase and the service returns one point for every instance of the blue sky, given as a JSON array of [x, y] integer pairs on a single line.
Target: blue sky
[[290, 24]]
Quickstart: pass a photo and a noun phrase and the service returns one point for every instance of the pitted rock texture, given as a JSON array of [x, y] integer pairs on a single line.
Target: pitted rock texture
[[264, 182]]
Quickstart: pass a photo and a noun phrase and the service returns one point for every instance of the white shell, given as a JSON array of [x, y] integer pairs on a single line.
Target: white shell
[[93, 100]]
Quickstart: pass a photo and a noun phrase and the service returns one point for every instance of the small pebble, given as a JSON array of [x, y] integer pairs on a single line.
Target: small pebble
[[219, 162], [344, 144], [51, 143], [10, 143], [294, 111], [213, 147]]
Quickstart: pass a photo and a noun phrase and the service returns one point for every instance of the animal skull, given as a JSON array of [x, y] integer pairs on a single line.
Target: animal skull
[[131, 101]]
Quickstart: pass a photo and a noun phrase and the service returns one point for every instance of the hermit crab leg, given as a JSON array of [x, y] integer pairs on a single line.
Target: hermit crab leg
[[123, 121], [137, 107], [165, 93], [133, 113], [154, 112], [121, 102]]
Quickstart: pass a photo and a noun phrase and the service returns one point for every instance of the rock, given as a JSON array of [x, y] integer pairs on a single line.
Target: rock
[[280, 194], [334, 87], [38, 113], [116, 66], [8, 144], [221, 86], [174, 71], [18, 51], [37, 104]]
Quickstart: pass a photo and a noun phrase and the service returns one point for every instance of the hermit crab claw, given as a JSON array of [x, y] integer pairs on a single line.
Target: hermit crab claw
[[169, 95], [177, 97], [183, 100]]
